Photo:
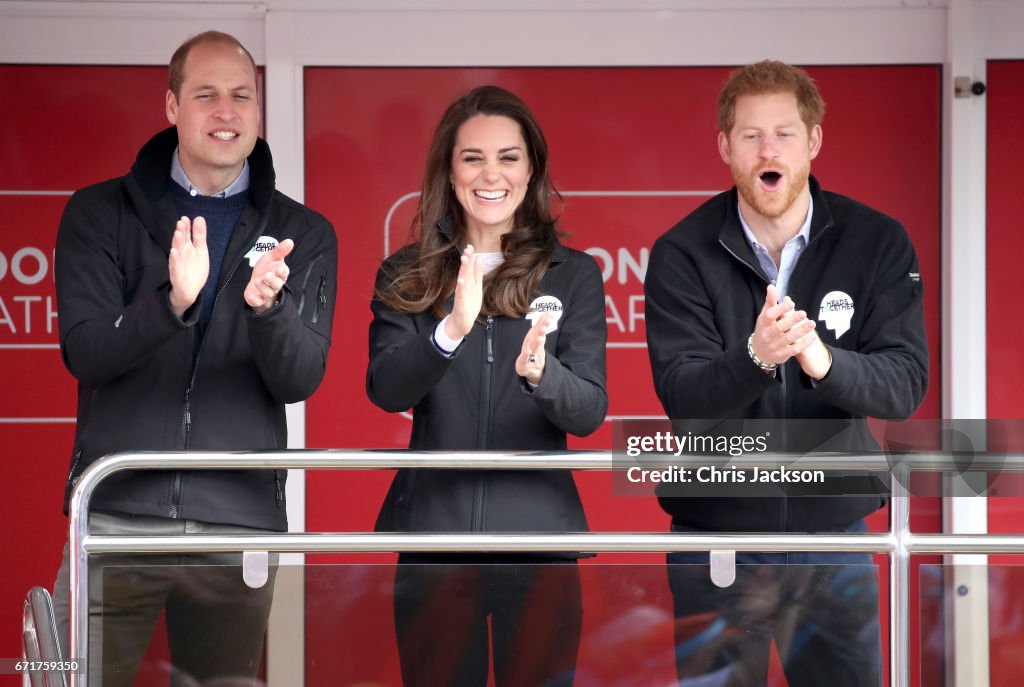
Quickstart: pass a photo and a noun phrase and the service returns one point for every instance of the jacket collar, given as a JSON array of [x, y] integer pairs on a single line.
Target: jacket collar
[[150, 175], [731, 233], [153, 164], [447, 228]]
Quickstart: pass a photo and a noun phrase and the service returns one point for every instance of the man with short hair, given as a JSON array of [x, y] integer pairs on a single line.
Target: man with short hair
[[779, 300], [194, 302]]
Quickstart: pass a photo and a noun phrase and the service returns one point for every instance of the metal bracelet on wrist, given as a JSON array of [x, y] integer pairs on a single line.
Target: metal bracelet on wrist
[[767, 367]]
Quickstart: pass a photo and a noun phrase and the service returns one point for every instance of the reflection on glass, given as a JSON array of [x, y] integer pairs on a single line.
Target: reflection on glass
[[948, 594], [633, 635]]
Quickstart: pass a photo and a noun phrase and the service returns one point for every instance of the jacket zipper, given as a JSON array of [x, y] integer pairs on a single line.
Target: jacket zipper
[[783, 391], [483, 426], [784, 514], [741, 260], [305, 282], [186, 422], [186, 429], [785, 524], [186, 416], [74, 466], [321, 299]]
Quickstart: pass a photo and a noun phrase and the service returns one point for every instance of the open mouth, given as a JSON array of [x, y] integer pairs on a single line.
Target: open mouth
[[224, 135], [490, 195], [771, 179]]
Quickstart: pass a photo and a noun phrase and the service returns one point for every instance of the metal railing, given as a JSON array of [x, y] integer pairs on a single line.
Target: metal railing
[[899, 543], [39, 638]]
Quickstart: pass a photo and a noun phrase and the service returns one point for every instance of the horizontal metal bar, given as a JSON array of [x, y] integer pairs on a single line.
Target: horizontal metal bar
[[354, 460], [367, 542], [574, 460], [966, 543], [364, 542], [898, 542]]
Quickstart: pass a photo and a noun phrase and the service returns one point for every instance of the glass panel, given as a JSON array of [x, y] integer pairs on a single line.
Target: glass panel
[[959, 605], [144, 609], [532, 620], [823, 620]]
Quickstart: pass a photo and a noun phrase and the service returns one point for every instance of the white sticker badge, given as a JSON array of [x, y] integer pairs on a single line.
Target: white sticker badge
[[545, 304], [836, 312], [264, 244]]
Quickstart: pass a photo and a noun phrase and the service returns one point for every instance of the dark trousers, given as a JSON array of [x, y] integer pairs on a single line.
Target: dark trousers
[[215, 622], [442, 605], [821, 609]]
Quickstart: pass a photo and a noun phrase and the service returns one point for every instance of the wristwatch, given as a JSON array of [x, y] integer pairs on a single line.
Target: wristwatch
[[767, 367]]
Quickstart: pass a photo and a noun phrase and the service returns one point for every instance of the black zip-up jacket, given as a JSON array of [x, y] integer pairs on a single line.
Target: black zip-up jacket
[[704, 290], [476, 401], [142, 386]]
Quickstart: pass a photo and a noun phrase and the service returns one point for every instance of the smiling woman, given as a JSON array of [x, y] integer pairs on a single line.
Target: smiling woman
[[490, 173], [494, 334]]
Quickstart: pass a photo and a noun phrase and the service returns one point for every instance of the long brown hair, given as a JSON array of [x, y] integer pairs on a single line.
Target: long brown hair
[[426, 278]]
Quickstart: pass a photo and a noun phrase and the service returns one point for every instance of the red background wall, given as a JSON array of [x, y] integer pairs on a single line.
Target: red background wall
[[1005, 341], [64, 128], [609, 131]]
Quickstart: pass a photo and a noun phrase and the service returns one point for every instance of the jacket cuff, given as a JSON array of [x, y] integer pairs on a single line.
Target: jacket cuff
[[554, 373], [745, 371], [274, 316], [191, 314], [838, 377], [282, 298]]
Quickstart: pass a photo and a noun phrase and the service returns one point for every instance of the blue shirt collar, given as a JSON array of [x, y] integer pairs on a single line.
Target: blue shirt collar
[[181, 179], [805, 229], [780, 274]]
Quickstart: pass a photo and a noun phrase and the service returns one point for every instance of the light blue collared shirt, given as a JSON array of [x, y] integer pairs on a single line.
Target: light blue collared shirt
[[791, 252], [181, 179]]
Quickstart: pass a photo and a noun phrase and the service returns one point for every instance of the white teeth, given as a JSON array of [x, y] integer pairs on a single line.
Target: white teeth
[[224, 135], [491, 195]]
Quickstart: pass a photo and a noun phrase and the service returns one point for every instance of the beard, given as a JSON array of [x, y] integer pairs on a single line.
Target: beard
[[771, 205]]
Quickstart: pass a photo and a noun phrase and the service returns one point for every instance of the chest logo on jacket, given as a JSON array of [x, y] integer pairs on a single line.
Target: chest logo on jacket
[[836, 312], [545, 304], [264, 244]]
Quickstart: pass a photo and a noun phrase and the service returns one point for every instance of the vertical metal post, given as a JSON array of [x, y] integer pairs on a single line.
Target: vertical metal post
[[899, 580], [78, 600]]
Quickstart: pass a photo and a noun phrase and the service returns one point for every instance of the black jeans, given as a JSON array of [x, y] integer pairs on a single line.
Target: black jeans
[[442, 605]]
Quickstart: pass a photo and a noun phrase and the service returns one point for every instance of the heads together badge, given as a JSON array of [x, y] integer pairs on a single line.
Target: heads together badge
[[264, 244], [545, 304]]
